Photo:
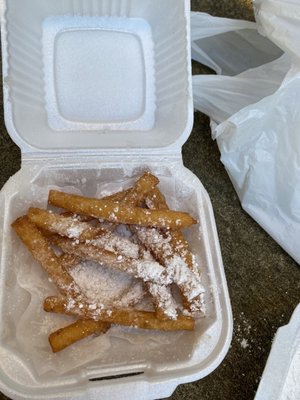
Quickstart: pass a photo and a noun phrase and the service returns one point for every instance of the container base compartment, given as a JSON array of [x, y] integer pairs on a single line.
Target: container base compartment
[[134, 357]]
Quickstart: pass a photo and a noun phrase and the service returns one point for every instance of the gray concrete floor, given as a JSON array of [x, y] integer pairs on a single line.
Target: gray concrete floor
[[263, 280]]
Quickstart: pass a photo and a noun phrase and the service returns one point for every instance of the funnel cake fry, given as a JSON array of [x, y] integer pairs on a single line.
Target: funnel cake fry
[[143, 186], [72, 228], [127, 317], [82, 328], [71, 334], [155, 200], [68, 226], [40, 248], [141, 269], [119, 213], [162, 298], [135, 195], [188, 280], [175, 243]]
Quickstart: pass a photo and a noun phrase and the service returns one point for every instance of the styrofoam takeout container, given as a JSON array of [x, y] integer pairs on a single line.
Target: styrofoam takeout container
[[98, 91]]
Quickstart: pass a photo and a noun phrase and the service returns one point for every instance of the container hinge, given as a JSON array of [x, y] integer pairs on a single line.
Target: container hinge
[[84, 159]]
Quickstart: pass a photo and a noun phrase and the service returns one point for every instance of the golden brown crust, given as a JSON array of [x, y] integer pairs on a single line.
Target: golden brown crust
[[99, 208], [156, 200], [79, 330], [127, 317], [40, 248]]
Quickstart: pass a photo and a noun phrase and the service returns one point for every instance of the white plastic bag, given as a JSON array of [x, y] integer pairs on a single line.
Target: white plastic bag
[[229, 46], [256, 114]]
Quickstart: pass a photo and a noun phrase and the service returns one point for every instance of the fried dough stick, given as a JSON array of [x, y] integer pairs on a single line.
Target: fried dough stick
[[164, 246], [73, 229], [82, 328], [40, 248], [79, 330], [127, 317], [108, 210], [63, 225], [142, 187], [155, 200], [55, 266], [161, 294], [188, 281], [141, 269], [163, 301], [115, 197], [136, 194]]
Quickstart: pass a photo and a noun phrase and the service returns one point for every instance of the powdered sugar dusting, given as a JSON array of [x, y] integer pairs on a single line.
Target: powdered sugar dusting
[[151, 237], [178, 271], [101, 284], [164, 299], [71, 227], [119, 244], [152, 271], [244, 343], [135, 293], [183, 276]]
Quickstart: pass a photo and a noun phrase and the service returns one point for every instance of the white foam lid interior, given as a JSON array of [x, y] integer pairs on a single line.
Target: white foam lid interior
[[97, 74]]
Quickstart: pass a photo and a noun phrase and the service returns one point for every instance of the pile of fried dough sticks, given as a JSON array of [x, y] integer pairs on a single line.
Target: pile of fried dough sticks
[[155, 253]]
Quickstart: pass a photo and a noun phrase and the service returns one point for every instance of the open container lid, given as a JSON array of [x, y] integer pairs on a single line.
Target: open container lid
[[89, 75]]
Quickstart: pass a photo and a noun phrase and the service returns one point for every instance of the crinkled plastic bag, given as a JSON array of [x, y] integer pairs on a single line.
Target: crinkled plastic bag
[[254, 106]]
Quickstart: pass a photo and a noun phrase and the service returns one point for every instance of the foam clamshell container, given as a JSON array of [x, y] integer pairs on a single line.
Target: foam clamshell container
[[99, 91]]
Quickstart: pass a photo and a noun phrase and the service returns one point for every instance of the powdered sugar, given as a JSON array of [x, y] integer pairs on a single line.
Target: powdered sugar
[[74, 231], [152, 237], [164, 300], [102, 284], [133, 296], [184, 277], [244, 343], [152, 271], [188, 279], [71, 227], [119, 244]]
